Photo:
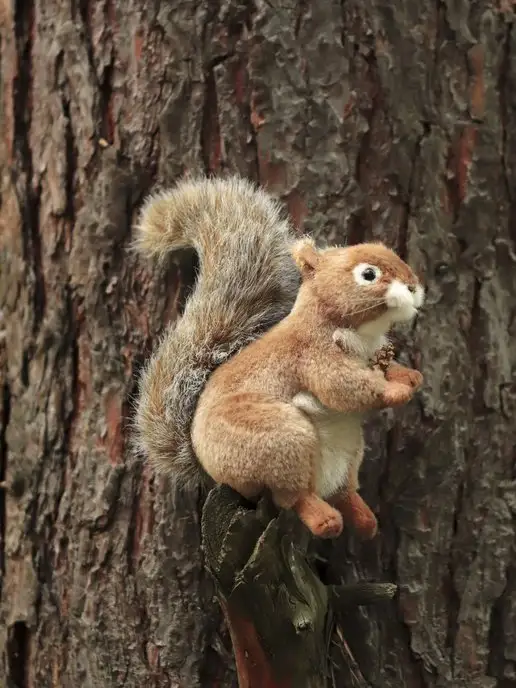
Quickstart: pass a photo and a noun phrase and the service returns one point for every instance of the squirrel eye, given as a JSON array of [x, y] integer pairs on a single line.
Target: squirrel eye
[[366, 274]]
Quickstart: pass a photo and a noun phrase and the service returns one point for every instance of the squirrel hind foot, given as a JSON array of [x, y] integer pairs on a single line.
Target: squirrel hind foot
[[320, 518], [357, 513]]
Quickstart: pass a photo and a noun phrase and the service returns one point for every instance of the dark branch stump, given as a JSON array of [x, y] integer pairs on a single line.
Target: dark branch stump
[[280, 614]]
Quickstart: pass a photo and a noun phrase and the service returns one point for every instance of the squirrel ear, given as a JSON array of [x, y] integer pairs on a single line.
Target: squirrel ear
[[306, 256]]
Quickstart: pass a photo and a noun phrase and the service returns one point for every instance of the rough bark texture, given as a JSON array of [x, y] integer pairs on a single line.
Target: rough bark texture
[[370, 118]]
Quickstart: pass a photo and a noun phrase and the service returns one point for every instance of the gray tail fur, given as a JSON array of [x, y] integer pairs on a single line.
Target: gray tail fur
[[247, 282]]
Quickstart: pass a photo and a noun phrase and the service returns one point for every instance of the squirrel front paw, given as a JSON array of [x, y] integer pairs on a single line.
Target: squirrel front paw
[[396, 394], [406, 376]]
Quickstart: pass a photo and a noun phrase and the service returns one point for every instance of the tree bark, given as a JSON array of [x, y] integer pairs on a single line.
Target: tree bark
[[370, 119]]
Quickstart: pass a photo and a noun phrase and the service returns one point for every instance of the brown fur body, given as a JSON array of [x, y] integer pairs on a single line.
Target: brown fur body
[[286, 412], [276, 408]]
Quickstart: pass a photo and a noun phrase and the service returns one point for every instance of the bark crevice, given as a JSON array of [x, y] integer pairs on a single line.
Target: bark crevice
[[22, 168], [18, 654], [5, 410]]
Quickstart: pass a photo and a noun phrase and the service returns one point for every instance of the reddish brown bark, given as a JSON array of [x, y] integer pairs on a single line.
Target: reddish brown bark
[[252, 666]]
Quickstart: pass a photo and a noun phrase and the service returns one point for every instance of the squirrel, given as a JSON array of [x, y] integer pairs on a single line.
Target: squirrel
[[263, 382]]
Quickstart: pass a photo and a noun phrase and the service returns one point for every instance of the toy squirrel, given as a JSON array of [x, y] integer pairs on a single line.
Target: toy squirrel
[[264, 380]]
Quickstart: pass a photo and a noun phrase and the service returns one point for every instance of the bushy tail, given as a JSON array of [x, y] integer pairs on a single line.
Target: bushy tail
[[247, 282]]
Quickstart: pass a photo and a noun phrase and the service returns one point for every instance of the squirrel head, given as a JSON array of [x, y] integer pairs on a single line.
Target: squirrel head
[[364, 287]]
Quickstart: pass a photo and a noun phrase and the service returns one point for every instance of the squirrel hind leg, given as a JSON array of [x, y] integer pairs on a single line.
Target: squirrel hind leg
[[253, 442]]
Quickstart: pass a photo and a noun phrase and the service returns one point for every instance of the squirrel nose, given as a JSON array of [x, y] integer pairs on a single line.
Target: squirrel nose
[[411, 288]]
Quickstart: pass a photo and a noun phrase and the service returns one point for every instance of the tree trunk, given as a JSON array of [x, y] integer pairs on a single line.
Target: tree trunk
[[370, 119]]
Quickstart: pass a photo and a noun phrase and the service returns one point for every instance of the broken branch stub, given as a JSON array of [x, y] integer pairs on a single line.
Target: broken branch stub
[[280, 614]]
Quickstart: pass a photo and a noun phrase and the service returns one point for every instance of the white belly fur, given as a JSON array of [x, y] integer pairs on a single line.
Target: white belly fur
[[341, 435], [342, 443]]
